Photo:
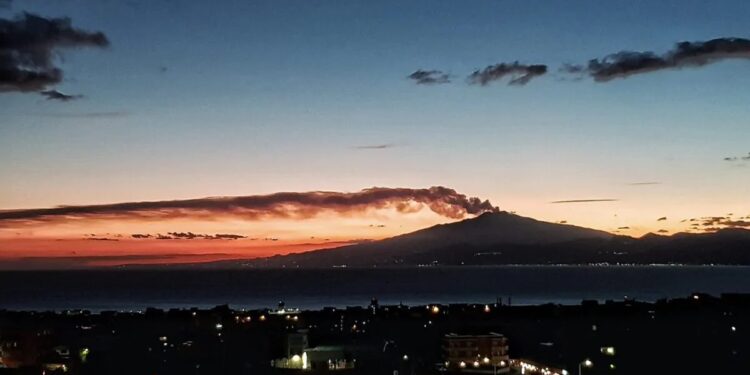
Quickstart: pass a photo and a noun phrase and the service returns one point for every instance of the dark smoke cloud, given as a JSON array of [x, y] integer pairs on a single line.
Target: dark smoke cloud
[[441, 200], [520, 74], [429, 77], [28, 45], [685, 54], [57, 95], [585, 200]]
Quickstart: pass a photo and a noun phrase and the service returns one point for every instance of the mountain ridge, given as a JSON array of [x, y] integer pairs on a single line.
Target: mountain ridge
[[502, 238]]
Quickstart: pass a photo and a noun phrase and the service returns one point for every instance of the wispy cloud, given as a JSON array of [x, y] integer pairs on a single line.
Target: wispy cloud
[[293, 205], [585, 200], [738, 158], [29, 45], [684, 55], [188, 236], [519, 74], [57, 95], [375, 147], [429, 77]]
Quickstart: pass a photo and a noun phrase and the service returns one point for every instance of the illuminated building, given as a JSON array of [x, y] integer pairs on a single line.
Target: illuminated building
[[476, 353], [296, 343], [320, 358]]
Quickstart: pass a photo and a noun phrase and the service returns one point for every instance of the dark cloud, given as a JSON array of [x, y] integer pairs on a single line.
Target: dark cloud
[[375, 147], [663, 218], [714, 223], [429, 77], [685, 54], [57, 95], [662, 231], [738, 158], [295, 205], [519, 74], [5, 4], [191, 236], [28, 46], [585, 200]]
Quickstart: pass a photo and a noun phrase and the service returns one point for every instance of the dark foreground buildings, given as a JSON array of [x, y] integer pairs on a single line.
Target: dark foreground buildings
[[700, 334]]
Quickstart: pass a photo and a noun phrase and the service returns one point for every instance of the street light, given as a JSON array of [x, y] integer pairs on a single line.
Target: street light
[[585, 363]]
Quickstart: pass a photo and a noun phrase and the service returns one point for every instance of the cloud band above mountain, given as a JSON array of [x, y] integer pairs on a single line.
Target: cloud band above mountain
[[294, 205]]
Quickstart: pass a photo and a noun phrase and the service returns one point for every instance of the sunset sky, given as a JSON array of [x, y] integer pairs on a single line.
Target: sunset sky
[[340, 102]]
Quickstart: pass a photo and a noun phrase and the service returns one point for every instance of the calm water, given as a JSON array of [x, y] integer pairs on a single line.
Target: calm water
[[132, 290]]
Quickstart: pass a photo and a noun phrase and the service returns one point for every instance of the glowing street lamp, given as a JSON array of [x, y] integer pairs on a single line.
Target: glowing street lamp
[[585, 363]]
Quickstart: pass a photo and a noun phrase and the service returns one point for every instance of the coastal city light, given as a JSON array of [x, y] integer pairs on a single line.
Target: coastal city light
[[371, 187]]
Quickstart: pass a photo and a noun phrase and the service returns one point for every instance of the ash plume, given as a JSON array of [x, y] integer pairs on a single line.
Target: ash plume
[[294, 205]]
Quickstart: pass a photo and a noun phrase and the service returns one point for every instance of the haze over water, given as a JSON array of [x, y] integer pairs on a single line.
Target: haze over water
[[314, 289]]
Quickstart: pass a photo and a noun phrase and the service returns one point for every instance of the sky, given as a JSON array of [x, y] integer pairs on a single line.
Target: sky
[[528, 105]]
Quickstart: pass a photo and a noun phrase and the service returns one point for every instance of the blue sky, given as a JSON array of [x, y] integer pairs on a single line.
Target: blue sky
[[247, 97]]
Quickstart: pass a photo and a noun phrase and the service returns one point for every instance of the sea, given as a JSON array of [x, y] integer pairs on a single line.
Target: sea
[[136, 290]]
